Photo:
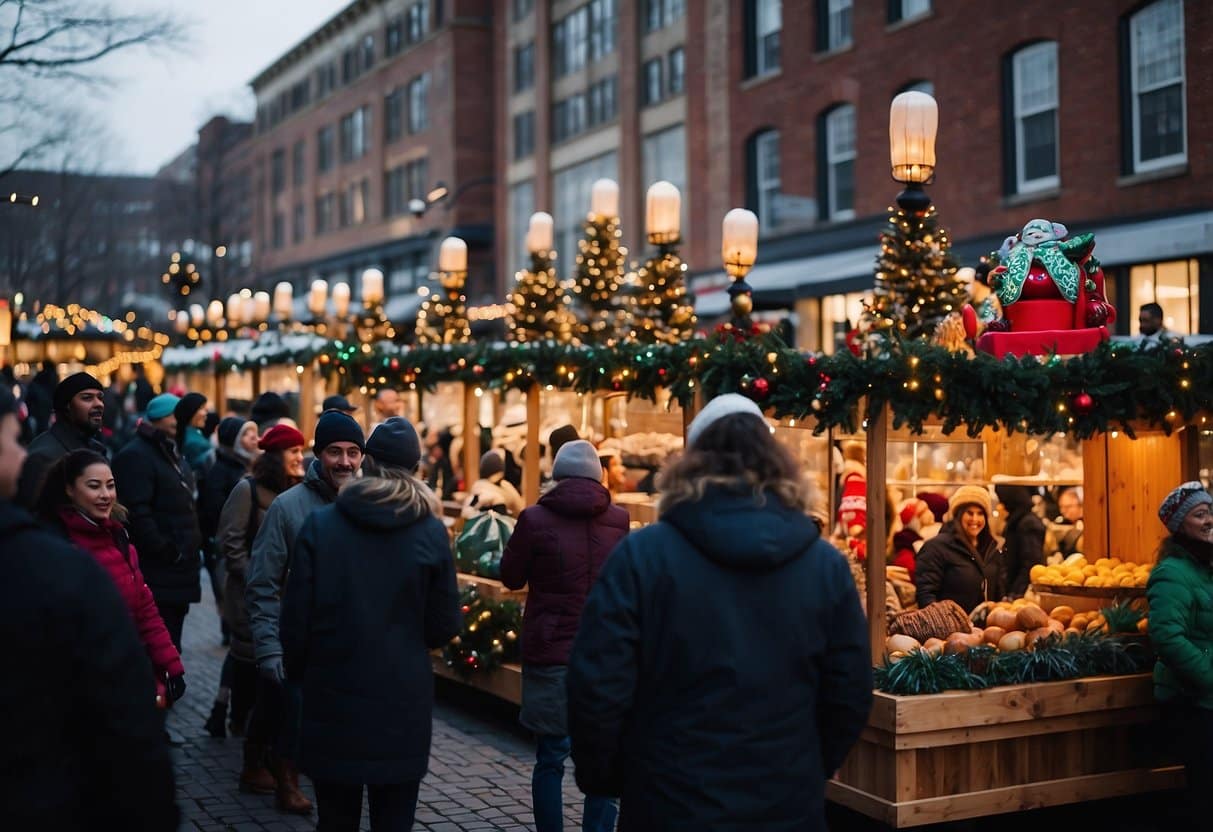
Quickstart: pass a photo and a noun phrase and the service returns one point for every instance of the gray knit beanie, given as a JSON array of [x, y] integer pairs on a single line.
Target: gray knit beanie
[[578, 458]]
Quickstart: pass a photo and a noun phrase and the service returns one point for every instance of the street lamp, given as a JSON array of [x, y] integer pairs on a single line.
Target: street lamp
[[913, 122], [739, 250]]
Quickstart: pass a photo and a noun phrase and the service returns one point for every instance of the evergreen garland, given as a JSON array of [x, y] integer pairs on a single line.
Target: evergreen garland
[[599, 281], [916, 284]]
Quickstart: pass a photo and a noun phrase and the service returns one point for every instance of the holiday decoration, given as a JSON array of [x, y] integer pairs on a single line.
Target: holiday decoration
[[443, 317], [489, 637], [599, 281], [182, 278], [541, 310], [1052, 294], [662, 313], [916, 282]]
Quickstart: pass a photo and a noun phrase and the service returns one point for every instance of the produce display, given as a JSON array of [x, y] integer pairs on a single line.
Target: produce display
[[1105, 572]]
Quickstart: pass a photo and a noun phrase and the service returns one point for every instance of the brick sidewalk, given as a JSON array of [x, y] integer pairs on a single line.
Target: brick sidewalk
[[480, 763]]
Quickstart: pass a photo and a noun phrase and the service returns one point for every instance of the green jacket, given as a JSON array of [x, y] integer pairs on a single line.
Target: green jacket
[[1181, 626]]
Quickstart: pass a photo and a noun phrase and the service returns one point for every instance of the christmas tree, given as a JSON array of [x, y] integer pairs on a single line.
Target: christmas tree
[[443, 317], [661, 313], [916, 283], [541, 306], [600, 269]]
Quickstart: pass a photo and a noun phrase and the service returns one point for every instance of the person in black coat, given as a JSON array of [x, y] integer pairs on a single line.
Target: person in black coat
[[79, 407], [963, 563], [83, 746], [157, 488], [371, 590], [722, 670], [1024, 535]]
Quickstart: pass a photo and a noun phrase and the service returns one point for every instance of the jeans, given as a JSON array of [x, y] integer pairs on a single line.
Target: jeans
[[598, 814], [339, 806], [173, 616]]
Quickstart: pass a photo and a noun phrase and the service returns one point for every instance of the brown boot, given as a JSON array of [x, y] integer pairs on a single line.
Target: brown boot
[[290, 799], [255, 777]]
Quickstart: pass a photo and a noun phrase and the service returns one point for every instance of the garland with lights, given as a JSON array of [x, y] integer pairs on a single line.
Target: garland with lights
[[542, 309], [489, 637], [601, 262], [916, 284]]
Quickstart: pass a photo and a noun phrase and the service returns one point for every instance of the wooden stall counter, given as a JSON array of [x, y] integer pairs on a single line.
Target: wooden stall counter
[[966, 754], [504, 682]]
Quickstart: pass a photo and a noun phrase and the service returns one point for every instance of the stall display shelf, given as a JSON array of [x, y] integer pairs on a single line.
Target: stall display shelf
[[504, 682], [490, 589]]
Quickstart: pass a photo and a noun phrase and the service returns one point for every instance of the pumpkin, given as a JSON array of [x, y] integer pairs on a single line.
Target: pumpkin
[[1031, 617], [1012, 641], [993, 635], [1004, 619]]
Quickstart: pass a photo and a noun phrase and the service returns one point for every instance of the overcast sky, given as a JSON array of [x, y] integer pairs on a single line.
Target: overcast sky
[[159, 101]]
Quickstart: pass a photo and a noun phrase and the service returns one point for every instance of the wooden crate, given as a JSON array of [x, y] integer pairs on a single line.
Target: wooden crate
[[1087, 598], [490, 589], [504, 682], [966, 754]]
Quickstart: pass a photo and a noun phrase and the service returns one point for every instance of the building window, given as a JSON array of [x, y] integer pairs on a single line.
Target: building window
[[354, 201], [570, 46], [299, 225], [1175, 286], [297, 164], [603, 103], [652, 87], [920, 86], [522, 8], [676, 71], [393, 37], [833, 24], [602, 28], [1033, 111], [522, 205], [908, 9], [393, 115], [326, 79], [324, 149], [402, 183], [585, 110], [764, 20], [356, 134], [524, 67], [418, 93], [840, 163], [763, 184], [661, 13], [417, 22], [524, 134], [279, 230], [1157, 86], [571, 200], [664, 156], [278, 171], [368, 53]]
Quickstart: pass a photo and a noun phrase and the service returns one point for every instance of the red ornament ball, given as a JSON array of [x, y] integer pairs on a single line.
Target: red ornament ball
[[395, 365], [761, 388], [1083, 404]]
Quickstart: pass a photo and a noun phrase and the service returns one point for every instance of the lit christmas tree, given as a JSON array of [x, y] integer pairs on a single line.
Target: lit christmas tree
[[541, 306], [661, 313], [916, 282], [600, 270], [443, 317]]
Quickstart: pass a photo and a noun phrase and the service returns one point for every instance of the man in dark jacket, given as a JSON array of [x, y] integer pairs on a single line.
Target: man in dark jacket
[[83, 746], [557, 549], [79, 405], [157, 488], [1024, 534], [722, 669]]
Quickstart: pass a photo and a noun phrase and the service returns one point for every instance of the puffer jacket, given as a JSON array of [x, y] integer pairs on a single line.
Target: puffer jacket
[[110, 546], [948, 570], [238, 524], [557, 550], [1180, 592]]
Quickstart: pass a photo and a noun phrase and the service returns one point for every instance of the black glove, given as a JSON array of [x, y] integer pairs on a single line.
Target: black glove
[[175, 688], [272, 670]]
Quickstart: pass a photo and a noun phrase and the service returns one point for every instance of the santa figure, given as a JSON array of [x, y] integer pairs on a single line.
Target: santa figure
[[914, 515], [853, 504]]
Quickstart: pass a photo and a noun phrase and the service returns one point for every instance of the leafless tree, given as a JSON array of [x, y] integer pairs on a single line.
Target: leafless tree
[[47, 48]]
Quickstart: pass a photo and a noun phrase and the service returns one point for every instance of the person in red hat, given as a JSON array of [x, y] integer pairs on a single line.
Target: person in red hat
[[279, 467]]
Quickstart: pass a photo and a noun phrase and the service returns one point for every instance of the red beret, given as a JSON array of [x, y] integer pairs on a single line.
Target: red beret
[[281, 437]]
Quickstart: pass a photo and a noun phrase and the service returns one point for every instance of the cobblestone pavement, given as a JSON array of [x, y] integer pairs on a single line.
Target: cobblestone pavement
[[480, 764]]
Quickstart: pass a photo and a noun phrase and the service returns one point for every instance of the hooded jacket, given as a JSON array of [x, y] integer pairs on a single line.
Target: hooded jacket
[[371, 591], [557, 550], [721, 672], [222, 477], [238, 525], [110, 546], [83, 745], [157, 488], [49, 447], [948, 570], [270, 557], [1180, 592]]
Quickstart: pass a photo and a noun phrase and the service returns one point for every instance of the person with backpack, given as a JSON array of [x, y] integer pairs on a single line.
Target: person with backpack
[[279, 467]]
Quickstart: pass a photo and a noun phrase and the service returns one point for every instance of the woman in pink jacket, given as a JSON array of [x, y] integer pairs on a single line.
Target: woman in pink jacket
[[79, 498]]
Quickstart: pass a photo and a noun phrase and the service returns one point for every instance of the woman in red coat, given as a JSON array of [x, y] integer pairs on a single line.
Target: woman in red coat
[[79, 497]]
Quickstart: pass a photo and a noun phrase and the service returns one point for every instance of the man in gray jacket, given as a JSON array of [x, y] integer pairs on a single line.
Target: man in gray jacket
[[338, 448]]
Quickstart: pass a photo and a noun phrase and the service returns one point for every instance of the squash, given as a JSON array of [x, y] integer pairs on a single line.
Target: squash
[[1031, 617], [934, 646], [1062, 613], [1012, 641], [961, 642], [1039, 634], [1005, 619], [1056, 626], [900, 644], [993, 635]]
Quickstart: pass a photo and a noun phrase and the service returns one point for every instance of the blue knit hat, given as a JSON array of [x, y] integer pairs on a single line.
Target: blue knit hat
[[1180, 502], [161, 406]]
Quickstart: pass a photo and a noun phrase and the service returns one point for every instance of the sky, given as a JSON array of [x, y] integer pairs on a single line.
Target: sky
[[158, 100]]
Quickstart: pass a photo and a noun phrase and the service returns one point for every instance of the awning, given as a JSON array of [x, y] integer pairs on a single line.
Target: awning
[[1168, 238], [711, 291]]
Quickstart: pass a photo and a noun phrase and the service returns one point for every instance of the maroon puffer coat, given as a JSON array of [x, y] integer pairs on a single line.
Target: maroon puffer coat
[[557, 550], [101, 541]]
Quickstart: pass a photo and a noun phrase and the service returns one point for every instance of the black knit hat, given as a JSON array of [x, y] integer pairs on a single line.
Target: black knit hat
[[268, 407], [335, 426], [70, 386], [229, 430], [395, 443], [560, 435], [190, 404]]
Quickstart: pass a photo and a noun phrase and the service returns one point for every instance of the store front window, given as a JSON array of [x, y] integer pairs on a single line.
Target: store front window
[[1175, 286]]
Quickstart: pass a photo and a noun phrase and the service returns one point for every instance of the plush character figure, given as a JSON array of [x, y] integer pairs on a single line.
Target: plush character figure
[[914, 515], [938, 504], [853, 505]]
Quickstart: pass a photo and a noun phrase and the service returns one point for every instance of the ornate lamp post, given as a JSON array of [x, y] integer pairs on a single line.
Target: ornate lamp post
[[739, 250], [913, 123]]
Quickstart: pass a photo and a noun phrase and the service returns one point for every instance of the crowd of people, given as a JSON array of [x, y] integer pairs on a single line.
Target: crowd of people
[[708, 671]]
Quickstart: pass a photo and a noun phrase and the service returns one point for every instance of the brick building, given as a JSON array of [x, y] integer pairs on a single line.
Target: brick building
[[1100, 119], [225, 209], [385, 103]]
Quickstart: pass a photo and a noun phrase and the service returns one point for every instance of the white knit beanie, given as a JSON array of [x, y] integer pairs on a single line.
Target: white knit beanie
[[717, 409]]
